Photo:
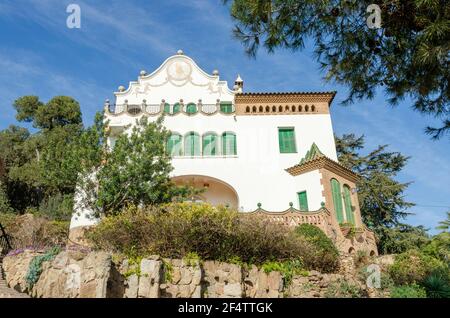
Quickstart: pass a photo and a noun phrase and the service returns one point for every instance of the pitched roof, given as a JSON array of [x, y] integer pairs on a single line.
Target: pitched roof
[[315, 159], [313, 153]]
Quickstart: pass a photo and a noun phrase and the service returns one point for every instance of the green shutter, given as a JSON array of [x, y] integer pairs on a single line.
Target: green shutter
[[303, 201], [176, 108], [167, 108], [226, 107], [337, 199], [192, 144], [229, 144], [286, 140], [348, 205], [191, 108], [209, 145]]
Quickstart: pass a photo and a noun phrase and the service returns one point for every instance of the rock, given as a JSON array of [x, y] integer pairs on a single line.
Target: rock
[[150, 278]]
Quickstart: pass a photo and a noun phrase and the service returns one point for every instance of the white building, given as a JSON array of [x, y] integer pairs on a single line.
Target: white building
[[251, 151]]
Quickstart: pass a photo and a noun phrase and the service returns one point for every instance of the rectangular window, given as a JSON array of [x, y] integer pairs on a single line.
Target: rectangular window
[[303, 201], [286, 140], [226, 107]]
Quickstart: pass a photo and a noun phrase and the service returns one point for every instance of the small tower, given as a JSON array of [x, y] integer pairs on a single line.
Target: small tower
[[239, 84]]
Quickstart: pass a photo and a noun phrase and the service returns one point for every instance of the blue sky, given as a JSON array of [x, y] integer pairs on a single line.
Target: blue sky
[[39, 55]]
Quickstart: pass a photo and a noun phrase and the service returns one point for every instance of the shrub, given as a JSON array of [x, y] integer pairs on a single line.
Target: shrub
[[343, 289], [29, 230], [35, 269], [213, 233], [437, 285], [414, 266], [288, 269], [408, 291], [326, 256]]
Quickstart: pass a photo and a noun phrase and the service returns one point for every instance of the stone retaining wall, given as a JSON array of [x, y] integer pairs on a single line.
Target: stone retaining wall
[[94, 275]]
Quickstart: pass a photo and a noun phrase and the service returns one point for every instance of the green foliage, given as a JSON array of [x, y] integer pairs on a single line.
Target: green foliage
[[192, 259], [381, 197], [134, 266], [168, 271], [57, 207], [407, 56], [35, 269], [287, 268], [414, 266], [5, 206], [40, 167], [408, 291], [445, 225], [437, 285], [343, 289], [212, 233], [324, 248], [137, 170], [401, 238]]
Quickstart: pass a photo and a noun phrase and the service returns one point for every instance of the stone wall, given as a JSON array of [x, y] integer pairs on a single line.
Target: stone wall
[[75, 274]]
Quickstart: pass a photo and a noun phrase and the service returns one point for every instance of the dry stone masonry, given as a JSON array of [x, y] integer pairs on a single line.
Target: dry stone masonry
[[75, 274]]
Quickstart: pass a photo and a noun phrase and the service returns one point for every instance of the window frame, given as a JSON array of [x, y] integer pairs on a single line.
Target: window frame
[[224, 144], [282, 145], [300, 201]]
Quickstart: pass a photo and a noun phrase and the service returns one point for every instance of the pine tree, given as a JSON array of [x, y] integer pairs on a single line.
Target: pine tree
[[408, 56]]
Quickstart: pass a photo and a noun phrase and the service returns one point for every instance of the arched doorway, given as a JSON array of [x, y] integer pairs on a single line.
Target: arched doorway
[[216, 192]]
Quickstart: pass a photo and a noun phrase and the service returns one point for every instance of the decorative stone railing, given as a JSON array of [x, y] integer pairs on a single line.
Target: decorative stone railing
[[155, 109], [294, 217]]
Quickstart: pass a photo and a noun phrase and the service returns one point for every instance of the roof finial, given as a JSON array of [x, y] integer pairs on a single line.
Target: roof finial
[[180, 52]]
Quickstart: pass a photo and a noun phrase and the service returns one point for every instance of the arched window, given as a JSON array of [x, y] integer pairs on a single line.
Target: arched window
[[337, 199], [348, 205], [176, 108], [174, 145], [228, 144], [191, 108], [280, 109], [267, 109], [210, 144], [192, 144], [306, 108], [167, 108], [293, 109], [260, 109], [254, 109], [313, 108], [247, 109]]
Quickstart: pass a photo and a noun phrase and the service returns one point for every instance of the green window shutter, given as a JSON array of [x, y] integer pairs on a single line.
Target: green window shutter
[[337, 200], [192, 144], [286, 140], [191, 108], [176, 108], [348, 205], [303, 201], [210, 145], [226, 107], [167, 108], [229, 144], [174, 145]]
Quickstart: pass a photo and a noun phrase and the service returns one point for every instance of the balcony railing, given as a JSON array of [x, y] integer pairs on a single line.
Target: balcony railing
[[155, 109]]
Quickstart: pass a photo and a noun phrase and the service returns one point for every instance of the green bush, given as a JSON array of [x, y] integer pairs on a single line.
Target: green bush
[[414, 266], [437, 285], [213, 233], [408, 291], [326, 253], [288, 269], [343, 289]]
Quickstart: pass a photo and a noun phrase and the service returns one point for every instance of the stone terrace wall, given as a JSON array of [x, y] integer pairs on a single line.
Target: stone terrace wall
[[94, 274]]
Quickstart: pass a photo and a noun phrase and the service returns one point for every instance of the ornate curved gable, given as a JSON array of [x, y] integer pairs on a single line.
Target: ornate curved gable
[[179, 77]]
